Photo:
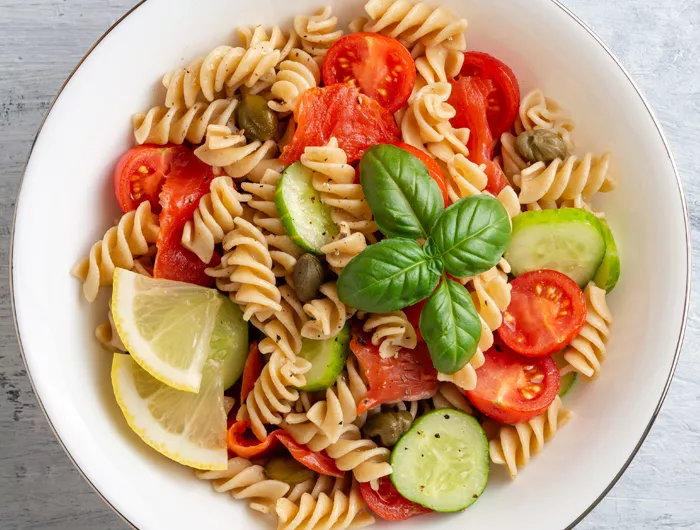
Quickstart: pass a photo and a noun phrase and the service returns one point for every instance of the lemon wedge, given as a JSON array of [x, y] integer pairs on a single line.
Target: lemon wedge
[[185, 427], [165, 325]]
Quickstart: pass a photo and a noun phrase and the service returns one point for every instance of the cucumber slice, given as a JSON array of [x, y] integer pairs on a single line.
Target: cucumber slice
[[305, 218], [442, 462], [609, 271], [569, 240], [567, 380], [229, 342], [327, 358]]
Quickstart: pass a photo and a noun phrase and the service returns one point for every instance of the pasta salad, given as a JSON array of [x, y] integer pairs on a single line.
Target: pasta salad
[[356, 271]]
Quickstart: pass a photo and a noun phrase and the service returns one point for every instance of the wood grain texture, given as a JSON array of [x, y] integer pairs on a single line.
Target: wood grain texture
[[41, 41]]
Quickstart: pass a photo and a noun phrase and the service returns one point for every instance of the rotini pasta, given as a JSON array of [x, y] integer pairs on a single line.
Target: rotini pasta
[[338, 512], [296, 75], [448, 396], [540, 112], [213, 219], [266, 216], [466, 377], [344, 247], [106, 334], [277, 38], [317, 32], [587, 350], [515, 445], [132, 236], [163, 125], [436, 64], [391, 332], [327, 315], [283, 330]]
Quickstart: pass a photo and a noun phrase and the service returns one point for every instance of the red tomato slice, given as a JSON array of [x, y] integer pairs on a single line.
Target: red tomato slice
[[242, 442], [388, 503], [381, 67], [175, 262], [511, 388], [413, 316], [140, 173], [503, 100], [254, 364], [318, 462], [432, 166], [547, 310], [410, 376], [339, 111], [469, 98]]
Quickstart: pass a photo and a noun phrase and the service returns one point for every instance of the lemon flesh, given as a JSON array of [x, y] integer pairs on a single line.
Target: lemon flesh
[[166, 326], [188, 428]]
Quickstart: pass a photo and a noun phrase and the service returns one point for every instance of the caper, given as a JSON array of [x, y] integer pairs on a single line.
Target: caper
[[388, 426], [258, 121], [287, 470], [308, 276], [541, 145]]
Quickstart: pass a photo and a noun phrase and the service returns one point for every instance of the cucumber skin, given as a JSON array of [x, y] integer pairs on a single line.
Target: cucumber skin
[[441, 412], [234, 362], [543, 217], [570, 378], [608, 273], [286, 216], [340, 341]]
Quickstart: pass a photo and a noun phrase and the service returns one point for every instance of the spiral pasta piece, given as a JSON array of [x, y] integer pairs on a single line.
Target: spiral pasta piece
[[283, 330], [277, 39], [232, 152], [266, 216], [245, 480], [466, 378], [391, 332], [249, 257], [413, 23], [436, 64], [296, 75], [448, 396], [107, 335], [314, 487], [162, 125], [337, 512], [343, 248], [213, 219], [571, 180], [318, 32], [334, 179], [587, 350], [274, 392], [131, 238], [327, 315], [515, 445], [540, 112], [367, 461]]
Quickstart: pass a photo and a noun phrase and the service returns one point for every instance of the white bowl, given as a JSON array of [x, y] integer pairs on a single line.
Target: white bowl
[[66, 203]]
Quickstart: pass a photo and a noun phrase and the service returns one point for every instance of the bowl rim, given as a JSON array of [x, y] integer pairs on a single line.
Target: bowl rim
[[686, 223]]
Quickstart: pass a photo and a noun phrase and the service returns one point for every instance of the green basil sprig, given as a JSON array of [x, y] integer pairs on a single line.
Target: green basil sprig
[[466, 239]]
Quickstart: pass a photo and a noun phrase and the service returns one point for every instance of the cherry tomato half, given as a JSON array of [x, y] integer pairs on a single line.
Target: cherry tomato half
[[251, 371], [388, 503], [432, 166], [503, 101], [511, 388], [379, 66], [140, 173], [318, 462], [547, 310]]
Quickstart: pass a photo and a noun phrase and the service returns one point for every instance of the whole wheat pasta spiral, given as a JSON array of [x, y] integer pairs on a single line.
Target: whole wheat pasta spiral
[[135, 232], [344, 247], [571, 180], [162, 125], [587, 350], [327, 315], [514, 445], [540, 112], [231, 151], [213, 219], [249, 257], [391, 332], [317, 32], [338, 512], [412, 23], [297, 74], [245, 480]]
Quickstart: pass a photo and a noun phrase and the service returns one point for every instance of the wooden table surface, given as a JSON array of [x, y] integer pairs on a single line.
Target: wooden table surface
[[41, 41]]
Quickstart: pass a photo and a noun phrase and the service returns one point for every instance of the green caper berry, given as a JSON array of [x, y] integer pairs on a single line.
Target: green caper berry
[[388, 426], [287, 470], [541, 145], [258, 121], [308, 276]]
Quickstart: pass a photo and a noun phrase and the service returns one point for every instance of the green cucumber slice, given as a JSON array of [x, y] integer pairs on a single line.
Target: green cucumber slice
[[327, 358], [609, 271], [566, 381], [305, 218], [569, 240], [229, 342], [442, 462]]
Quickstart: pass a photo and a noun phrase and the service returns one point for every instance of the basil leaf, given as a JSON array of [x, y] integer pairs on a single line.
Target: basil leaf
[[403, 197], [450, 326], [388, 276], [472, 235]]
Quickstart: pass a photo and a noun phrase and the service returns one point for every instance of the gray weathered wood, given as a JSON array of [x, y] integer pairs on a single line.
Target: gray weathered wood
[[40, 43]]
